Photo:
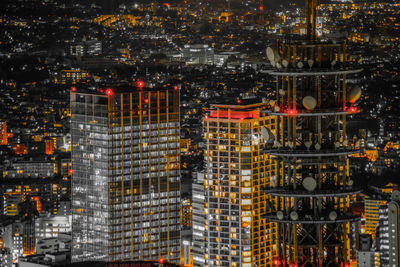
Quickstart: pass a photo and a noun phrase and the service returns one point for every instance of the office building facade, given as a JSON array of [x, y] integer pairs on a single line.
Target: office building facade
[[126, 174]]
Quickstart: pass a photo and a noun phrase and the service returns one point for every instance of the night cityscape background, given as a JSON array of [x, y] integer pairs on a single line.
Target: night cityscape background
[[191, 133]]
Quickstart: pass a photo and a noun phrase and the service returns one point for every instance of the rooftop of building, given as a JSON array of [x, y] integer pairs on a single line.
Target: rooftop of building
[[121, 89], [238, 104]]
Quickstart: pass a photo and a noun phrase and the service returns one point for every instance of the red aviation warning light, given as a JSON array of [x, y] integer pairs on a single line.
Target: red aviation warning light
[[277, 262], [239, 101], [73, 89], [161, 260], [176, 87], [70, 171], [351, 109], [109, 92], [146, 100], [140, 84], [292, 112]]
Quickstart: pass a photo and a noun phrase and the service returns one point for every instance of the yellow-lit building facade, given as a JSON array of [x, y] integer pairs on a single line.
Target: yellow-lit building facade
[[372, 214], [72, 77], [236, 171]]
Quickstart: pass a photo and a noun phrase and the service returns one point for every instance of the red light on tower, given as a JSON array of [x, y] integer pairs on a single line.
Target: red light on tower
[[109, 92], [70, 171], [140, 84], [261, 8], [146, 101], [239, 101], [175, 87], [351, 109], [292, 112], [161, 260], [277, 262], [73, 89]]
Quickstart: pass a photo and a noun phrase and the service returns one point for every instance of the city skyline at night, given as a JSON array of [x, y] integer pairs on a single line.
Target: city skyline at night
[[190, 133]]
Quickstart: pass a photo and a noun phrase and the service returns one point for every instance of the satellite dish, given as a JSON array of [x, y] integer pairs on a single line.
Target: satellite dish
[[279, 215], [350, 182], [309, 184], [290, 144], [300, 65], [285, 63], [354, 94], [278, 65], [294, 216], [277, 144], [310, 63], [337, 144], [307, 144], [332, 215], [281, 92], [309, 102], [396, 195], [273, 181], [272, 55], [317, 146], [267, 134]]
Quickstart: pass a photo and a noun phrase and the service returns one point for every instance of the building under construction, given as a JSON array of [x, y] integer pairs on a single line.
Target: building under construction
[[312, 191]]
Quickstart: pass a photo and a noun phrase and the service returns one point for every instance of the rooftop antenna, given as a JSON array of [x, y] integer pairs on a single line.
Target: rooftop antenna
[[311, 15]]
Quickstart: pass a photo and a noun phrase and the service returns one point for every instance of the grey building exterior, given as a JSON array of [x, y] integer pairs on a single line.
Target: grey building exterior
[[126, 174]]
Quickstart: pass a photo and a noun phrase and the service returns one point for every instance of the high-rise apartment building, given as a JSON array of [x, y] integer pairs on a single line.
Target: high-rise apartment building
[[198, 219], [382, 236], [372, 205], [236, 171], [126, 174]]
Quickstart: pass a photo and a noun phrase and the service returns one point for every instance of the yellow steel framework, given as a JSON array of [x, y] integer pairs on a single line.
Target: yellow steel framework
[[312, 191]]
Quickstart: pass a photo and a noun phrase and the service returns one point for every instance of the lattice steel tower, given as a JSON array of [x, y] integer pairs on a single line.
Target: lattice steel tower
[[312, 192]]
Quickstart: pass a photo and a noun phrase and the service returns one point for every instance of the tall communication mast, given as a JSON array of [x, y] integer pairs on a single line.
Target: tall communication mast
[[311, 193]]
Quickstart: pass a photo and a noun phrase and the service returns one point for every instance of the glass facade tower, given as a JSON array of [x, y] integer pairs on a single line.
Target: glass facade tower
[[126, 174]]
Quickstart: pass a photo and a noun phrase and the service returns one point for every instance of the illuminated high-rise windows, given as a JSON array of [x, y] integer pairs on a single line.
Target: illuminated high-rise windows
[[236, 172], [126, 174]]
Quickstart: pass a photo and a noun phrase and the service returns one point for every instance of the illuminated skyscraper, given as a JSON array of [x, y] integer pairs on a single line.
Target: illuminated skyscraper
[[236, 170], [372, 205], [312, 191], [126, 174]]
